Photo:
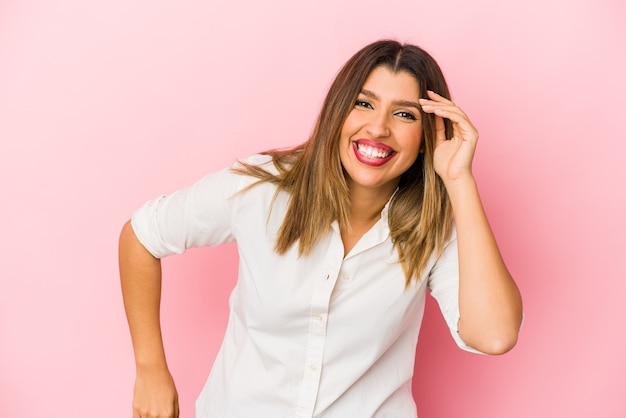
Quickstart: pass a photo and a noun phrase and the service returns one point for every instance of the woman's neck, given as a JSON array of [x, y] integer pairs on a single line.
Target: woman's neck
[[366, 204], [365, 210]]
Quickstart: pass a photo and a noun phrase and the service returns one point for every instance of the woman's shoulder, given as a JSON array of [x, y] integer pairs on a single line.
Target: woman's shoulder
[[263, 161], [269, 166]]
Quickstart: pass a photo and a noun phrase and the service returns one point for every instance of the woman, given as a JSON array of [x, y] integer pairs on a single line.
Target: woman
[[339, 238]]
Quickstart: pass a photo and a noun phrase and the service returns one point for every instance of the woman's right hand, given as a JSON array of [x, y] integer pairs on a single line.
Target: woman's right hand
[[155, 394]]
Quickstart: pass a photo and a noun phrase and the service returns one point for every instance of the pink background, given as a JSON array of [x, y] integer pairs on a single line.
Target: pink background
[[104, 105]]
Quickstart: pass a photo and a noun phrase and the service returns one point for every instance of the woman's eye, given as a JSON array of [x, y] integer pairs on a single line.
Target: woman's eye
[[406, 115], [363, 103]]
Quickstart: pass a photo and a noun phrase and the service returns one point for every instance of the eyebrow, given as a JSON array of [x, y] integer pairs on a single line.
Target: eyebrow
[[405, 103]]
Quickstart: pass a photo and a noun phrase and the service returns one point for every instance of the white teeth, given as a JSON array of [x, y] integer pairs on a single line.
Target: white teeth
[[372, 152]]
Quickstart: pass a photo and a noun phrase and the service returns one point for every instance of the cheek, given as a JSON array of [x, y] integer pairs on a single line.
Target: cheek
[[344, 145], [419, 138], [414, 141], [351, 124]]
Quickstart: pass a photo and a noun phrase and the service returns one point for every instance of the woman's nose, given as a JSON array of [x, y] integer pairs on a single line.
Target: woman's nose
[[378, 126]]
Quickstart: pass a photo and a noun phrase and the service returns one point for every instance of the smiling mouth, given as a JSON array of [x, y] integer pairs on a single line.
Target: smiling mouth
[[369, 151]]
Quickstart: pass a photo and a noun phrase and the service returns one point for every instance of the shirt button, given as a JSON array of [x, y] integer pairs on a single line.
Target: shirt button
[[345, 277], [319, 318], [313, 367]]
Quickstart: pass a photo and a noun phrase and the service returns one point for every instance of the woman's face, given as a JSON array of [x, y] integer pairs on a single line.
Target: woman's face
[[382, 135]]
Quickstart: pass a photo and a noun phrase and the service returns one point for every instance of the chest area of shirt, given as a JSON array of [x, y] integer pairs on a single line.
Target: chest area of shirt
[[289, 293]]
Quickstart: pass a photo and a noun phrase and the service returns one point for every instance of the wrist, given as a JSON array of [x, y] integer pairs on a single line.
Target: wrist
[[154, 361], [459, 183], [154, 369]]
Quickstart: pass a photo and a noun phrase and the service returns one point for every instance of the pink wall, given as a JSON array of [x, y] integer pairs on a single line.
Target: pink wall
[[106, 104]]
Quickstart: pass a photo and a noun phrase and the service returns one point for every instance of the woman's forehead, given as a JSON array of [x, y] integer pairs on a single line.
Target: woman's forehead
[[383, 81]]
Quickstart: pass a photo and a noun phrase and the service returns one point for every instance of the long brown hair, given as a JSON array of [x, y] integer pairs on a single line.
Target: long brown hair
[[419, 213]]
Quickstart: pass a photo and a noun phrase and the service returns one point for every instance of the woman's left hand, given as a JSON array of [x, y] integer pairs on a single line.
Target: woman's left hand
[[453, 157]]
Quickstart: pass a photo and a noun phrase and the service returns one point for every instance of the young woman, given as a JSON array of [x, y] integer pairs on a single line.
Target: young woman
[[339, 240]]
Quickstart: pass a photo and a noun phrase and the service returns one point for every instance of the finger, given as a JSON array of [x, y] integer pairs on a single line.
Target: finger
[[430, 105], [440, 130], [438, 98], [454, 113], [446, 109]]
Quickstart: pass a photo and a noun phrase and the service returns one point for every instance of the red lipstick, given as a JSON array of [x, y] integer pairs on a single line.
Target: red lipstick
[[372, 153]]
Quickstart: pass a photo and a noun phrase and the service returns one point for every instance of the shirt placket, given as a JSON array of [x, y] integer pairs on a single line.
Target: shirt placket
[[318, 317]]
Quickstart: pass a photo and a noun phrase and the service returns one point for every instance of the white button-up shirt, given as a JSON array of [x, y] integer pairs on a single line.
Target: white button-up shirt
[[321, 335]]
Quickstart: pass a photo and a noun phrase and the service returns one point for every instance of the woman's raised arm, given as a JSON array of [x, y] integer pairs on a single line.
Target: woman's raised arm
[[490, 304]]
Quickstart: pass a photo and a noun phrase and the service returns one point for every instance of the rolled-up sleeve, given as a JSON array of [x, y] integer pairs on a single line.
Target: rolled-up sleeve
[[443, 282], [197, 216]]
